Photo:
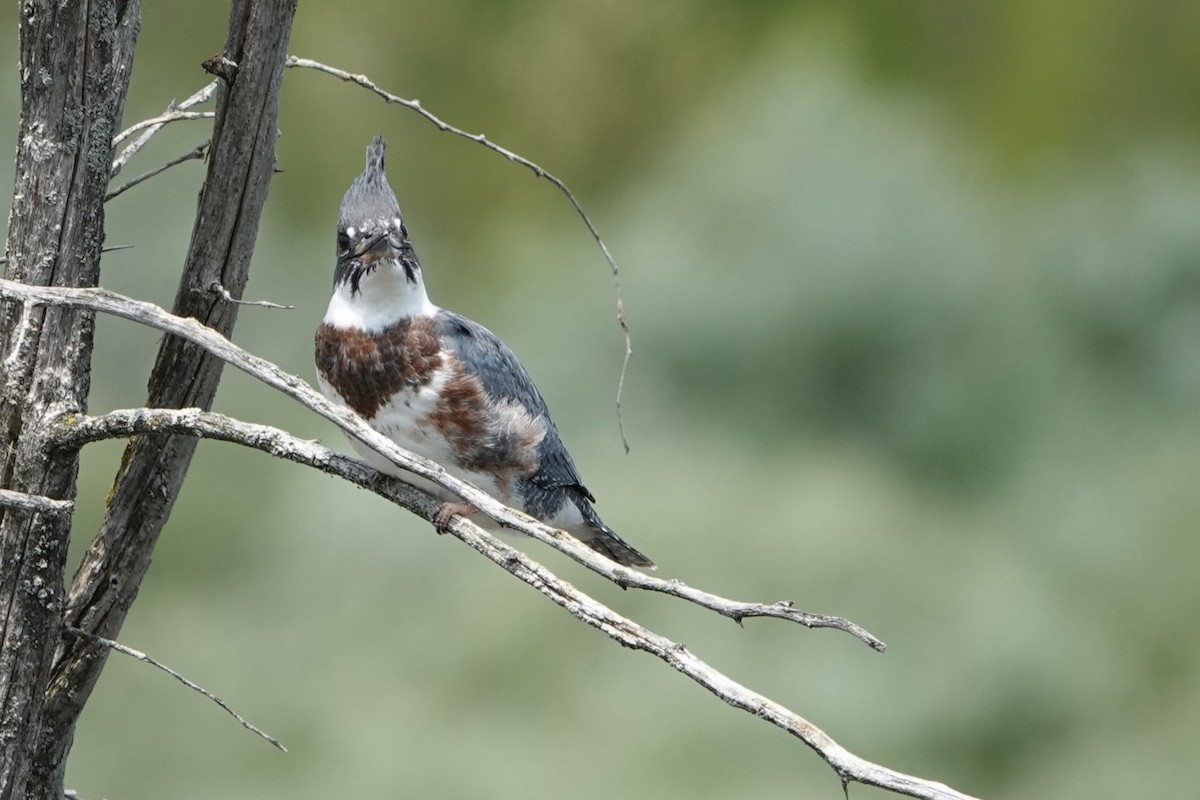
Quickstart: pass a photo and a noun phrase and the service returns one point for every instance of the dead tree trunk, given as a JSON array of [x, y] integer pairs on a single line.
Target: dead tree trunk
[[75, 64], [74, 72]]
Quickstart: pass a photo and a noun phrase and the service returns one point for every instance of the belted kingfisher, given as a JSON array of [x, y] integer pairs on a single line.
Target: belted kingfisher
[[439, 384]]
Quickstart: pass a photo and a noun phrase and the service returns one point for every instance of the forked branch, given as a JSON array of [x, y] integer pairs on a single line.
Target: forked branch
[[73, 431], [353, 425], [77, 431], [153, 126]]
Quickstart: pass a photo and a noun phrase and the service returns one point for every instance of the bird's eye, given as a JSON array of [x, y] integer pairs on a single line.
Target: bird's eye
[[343, 243]]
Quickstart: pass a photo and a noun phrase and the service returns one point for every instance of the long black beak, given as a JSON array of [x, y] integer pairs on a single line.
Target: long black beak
[[367, 245]]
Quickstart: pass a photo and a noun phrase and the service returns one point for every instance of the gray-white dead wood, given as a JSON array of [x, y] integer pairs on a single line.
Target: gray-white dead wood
[[75, 430], [34, 502], [479, 138], [229, 298], [240, 165], [148, 130], [78, 431], [270, 374], [156, 123], [195, 687], [74, 66]]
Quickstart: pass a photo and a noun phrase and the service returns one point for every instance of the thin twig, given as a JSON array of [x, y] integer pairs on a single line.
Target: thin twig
[[228, 298], [140, 656], [105, 249], [34, 502], [196, 152], [159, 121], [201, 96], [479, 138], [738, 611]]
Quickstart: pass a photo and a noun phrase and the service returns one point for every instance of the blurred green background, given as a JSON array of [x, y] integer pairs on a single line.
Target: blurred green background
[[915, 292]]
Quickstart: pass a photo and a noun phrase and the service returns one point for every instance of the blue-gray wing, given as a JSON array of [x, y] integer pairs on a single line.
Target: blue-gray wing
[[504, 377]]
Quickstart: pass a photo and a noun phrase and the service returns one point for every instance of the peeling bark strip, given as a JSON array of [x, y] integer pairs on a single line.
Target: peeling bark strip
[[74, 73], [241, 162]]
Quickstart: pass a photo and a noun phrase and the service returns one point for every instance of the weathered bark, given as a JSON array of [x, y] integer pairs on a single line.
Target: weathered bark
[[74, 73], [241, 162]]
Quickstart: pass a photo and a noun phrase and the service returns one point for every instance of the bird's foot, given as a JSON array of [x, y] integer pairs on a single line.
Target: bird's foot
[[447, 511]]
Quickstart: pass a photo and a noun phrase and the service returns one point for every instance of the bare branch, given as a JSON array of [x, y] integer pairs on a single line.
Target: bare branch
[[354, 426], [159, 121], [215, 286], [76, 431], [848, 766], [479, 138], [195, 153], [137, 144], [140, 656], [34, 502], [105, 249], [738, 611]]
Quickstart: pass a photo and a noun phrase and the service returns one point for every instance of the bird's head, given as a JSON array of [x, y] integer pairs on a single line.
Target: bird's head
[[371, 232]]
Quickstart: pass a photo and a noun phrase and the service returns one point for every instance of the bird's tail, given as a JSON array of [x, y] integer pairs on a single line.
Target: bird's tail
[[604, 540]]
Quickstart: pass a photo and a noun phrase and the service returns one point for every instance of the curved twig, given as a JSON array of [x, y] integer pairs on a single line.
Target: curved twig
[[145, 659], [195, 153], [479, 138]]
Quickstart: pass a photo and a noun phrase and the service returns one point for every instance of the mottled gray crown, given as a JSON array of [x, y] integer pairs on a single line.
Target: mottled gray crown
[[369, 199]]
